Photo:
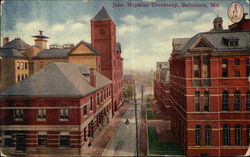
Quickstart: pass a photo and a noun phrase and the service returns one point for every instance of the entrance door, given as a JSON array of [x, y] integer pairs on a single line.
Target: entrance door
[[20, 142]]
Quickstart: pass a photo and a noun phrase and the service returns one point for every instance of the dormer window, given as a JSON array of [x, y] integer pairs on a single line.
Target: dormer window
[[231, 41]]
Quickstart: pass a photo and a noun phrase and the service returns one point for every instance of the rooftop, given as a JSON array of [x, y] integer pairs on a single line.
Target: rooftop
[[102, 15], [57, 80]]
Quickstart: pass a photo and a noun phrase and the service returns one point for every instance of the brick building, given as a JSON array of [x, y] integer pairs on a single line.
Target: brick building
[[210, 91], [103, 38], [59, 109], [161, 88], [103, 54]]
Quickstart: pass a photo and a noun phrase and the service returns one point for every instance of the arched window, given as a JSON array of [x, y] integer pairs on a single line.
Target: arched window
[[206, 101], [248, 100], [237, 102], [197, 100], [225, 101]]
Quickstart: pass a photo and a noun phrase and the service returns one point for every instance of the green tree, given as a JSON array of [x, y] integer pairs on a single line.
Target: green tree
[[129, 91]]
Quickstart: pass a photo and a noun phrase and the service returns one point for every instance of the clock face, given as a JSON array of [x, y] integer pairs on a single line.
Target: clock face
[[235, 12], [102, 31]]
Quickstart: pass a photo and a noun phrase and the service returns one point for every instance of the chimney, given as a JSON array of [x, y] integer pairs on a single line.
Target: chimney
[[92, 77], [40, 40], [5, 40]]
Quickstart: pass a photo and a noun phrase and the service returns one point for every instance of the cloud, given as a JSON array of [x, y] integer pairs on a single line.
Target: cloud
[[185, 15], [68, 32]]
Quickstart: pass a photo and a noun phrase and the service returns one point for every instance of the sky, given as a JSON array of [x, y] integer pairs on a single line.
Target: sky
[[145, 33]]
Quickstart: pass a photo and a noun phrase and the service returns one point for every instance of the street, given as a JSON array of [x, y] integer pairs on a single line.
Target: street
[[123, 142]]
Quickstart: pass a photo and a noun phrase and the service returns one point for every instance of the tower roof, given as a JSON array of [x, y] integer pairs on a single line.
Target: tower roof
[[40, 36], [102, 15]]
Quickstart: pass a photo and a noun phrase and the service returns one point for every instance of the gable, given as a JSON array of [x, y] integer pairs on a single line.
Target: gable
[[202, 44], [82, 49]]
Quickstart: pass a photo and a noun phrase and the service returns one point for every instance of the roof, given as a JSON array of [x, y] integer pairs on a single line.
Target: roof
[[92, 48], [88, 45], [102, 15], [18, 44], [216, 40], [53, 53], [118, 47], [179, 42], [11, 53], [57, 80]]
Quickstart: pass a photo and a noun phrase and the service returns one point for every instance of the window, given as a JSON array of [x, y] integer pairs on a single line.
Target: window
[[91, 103], [248, 134], [198, 135], [22, 77], [64, 113], [18, 65], [85, 134], [42, 140], [237, 105], [233, 43], [248, 100], [237, 134], [224, 68], [26, 65], [101, 96], [236, 61], [226, 135], [205, 67], [41, 114], [248, 67], [85, 110], [208, 135], [225, 101], [197, 65], [64, 140], [22, 65], [26, 75], [206, 101], [7, 138], [197, 101], [97, 98], [18, 78], [236, 73], [18, 114]]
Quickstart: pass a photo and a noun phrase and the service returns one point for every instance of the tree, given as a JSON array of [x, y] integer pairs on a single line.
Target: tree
[[128, 92]]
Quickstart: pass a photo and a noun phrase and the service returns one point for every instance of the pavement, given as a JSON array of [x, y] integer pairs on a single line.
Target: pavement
[[123, 142], [102, 140]]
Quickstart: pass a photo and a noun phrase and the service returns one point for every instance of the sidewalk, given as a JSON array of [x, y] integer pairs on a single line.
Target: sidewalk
[[143, 135], [100, 142]]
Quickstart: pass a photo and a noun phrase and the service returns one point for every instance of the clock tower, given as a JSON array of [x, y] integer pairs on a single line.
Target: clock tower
[[103, 38]]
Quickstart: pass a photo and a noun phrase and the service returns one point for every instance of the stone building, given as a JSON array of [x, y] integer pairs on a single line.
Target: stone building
[[59, 109], [210, 91]]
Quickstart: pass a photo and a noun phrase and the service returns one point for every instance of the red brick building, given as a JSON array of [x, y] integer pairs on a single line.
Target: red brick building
[[210, 91], [103, 38], [161, 88], [59, 109]]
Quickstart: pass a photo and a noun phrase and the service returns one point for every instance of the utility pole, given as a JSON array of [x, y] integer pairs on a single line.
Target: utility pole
[[136, 125], [142, 93]]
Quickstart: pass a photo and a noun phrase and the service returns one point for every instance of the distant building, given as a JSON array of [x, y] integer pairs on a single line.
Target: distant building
[[128, 79], [210, 91], [59, 109], [161, 88]]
